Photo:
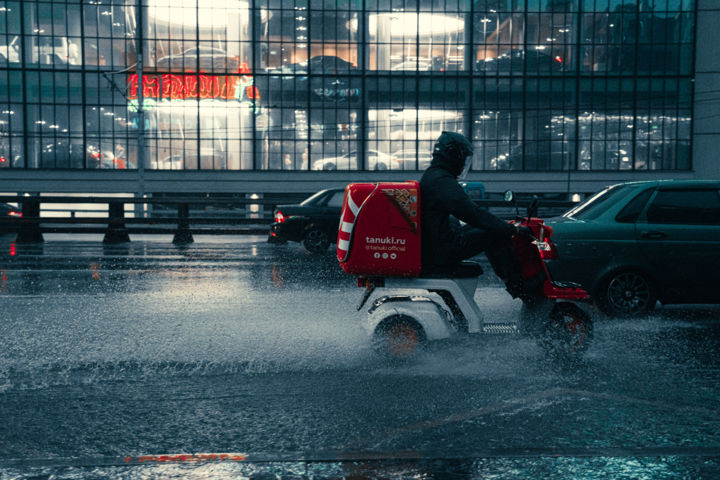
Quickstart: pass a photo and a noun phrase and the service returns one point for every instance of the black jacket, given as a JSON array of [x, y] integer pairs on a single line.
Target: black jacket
[[440, 197]]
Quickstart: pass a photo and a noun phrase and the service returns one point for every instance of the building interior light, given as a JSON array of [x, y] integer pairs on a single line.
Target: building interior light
[[407, 24], [194, 12]]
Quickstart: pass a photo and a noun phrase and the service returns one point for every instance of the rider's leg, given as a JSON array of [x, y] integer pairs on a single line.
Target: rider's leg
[[472, 241], [504, 261], [468, 242]]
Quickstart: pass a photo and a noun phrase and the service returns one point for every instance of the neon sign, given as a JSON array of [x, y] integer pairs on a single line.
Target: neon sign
[[172, 86]]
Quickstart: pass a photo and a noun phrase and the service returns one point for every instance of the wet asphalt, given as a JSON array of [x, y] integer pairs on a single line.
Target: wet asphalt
[[117, 359]]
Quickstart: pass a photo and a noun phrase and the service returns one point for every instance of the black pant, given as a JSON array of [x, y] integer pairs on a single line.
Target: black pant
[[471, 241]]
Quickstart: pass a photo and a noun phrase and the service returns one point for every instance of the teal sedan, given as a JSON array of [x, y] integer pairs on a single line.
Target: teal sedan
[[633, 244]]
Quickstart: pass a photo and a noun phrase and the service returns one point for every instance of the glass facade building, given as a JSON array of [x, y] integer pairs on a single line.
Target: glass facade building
[[538, 85]]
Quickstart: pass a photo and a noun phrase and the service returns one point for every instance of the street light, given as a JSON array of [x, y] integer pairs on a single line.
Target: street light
[[485, 21]]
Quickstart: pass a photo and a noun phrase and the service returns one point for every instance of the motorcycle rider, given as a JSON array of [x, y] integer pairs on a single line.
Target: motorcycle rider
[[445, 243]]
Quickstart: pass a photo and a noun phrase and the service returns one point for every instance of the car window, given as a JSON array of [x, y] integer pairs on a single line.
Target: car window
[[312, 198], [336, 199], [631, 211], [594, 206], [690, 207]]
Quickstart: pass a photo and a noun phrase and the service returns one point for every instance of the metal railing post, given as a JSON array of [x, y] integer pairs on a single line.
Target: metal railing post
[[30, 227], [116, 231], [183, 234]]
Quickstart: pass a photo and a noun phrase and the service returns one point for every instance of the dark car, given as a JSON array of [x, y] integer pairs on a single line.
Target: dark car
[[314, 221], [8, 214], [633, 244], [517, 61], [329, 64], [330, 80], [534, 155]]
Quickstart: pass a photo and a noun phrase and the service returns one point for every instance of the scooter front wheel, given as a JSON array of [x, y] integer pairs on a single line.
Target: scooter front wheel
[[568, 331], [398, 338]]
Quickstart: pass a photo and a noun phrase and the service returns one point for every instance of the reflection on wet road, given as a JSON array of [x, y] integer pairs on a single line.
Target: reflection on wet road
[[234, 345]]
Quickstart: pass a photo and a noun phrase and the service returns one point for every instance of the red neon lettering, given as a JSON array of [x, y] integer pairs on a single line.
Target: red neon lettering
[[179, 87], [226, 87], [166, 86], [216, 91], [133, 86], [205, 86], [151, 88], [191, 86], [252, 92], [231, 83]]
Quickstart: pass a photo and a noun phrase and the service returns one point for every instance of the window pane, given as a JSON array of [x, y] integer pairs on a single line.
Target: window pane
[[692, 207]]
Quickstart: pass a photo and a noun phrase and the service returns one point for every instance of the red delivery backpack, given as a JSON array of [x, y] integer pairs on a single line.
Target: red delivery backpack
[[379, 232]]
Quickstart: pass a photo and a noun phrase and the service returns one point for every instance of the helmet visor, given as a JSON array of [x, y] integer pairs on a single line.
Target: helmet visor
[[466, 168]]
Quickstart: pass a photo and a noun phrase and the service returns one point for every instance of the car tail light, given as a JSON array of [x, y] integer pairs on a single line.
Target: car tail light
[[544, 244], [279, 217], [3, 160], [547, 250], [13, 213], [558, 59]]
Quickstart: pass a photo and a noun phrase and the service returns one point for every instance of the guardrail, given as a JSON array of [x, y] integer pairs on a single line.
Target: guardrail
[[117, 227]]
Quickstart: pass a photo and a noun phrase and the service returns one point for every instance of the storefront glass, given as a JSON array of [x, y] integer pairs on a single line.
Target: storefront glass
[[308, 85]]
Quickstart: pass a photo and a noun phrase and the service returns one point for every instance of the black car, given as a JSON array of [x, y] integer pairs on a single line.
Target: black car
[[517, 61], [8, 214], [331, 79], [314, 221], [635, 243]]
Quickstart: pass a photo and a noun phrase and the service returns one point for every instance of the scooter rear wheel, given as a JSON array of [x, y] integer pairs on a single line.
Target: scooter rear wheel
[[568, 331], [398, 338]]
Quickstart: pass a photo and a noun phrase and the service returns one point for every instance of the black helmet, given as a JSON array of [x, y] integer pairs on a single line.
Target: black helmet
[[454, 149]]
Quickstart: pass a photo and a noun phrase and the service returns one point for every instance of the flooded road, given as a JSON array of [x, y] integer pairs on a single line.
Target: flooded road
[[111, 355]]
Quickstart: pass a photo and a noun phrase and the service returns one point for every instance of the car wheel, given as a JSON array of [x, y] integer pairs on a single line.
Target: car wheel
[[627, 293], [3, 60], [567, 333], [398, 338], [316, 240], [329, 166]]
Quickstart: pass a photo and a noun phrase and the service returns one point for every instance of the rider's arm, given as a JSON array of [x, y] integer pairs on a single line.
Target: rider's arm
[[459, 204]]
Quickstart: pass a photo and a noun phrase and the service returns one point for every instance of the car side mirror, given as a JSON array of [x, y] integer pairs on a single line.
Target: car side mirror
[[509, 197]]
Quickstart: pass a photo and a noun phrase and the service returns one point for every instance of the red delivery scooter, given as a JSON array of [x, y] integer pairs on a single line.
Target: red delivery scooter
[[403, 308]]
